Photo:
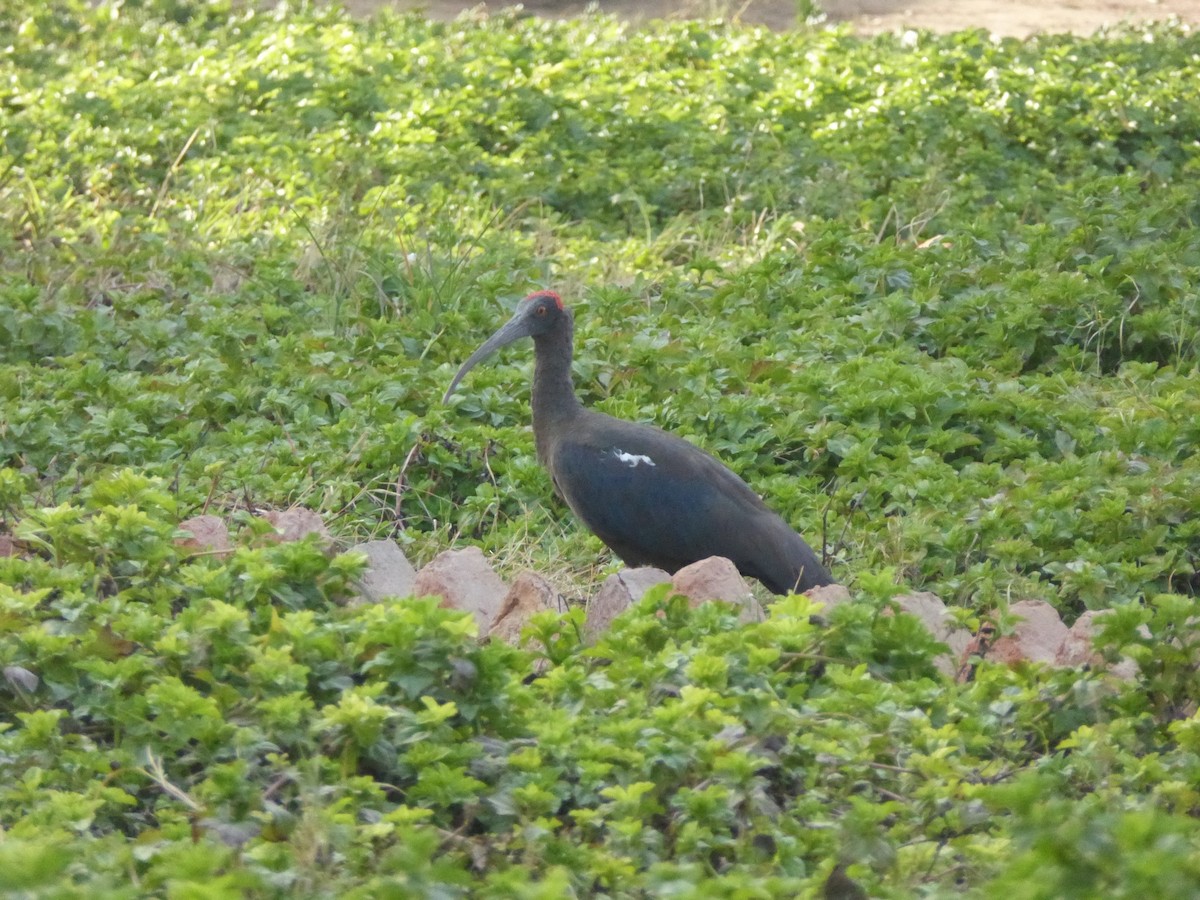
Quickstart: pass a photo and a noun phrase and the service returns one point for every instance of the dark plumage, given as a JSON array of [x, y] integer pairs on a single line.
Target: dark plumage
[[654, 499]]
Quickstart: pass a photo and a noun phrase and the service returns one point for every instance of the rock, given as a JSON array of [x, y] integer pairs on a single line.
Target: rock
[[933, 614], [529, 594], [978, 647], [464, 581], [1078, 648], [616, 595], [830, 595], [21, 679], [1127, 670], [295, 524], [388, 572], [1036, 637], [716, 578], [209, 534], [641, 579], [927, 607], [8, 546]]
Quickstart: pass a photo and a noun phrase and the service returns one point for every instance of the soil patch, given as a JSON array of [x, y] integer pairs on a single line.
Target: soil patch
[[1015, 18]]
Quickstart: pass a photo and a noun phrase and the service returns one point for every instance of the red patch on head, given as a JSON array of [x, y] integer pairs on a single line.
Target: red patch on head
[[553, 296]]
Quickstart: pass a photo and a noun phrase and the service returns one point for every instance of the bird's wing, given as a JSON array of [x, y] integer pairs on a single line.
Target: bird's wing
[[656, 499]]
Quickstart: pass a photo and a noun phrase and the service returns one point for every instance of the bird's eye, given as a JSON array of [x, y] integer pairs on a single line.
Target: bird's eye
[[540, 311]]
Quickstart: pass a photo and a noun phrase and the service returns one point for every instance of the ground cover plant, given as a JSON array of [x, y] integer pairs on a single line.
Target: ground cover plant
[[936, 297]]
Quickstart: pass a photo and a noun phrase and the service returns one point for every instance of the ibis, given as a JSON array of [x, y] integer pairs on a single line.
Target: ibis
[[653, 498]]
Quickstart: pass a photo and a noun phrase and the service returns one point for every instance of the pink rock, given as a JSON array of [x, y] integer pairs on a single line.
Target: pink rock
[[1127, 670], [616, 595], [716, 578], [830, 595], [464, 581], [927, 607], [1078, 647], [295, 524], [7, 546], [21, 678], [530, 594], [933, 614], [388, 572], [1036, 637], [209, 534], [978, 647], [641, 579]]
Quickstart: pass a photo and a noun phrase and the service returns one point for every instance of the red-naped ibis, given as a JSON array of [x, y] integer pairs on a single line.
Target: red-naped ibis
[[653, 498]]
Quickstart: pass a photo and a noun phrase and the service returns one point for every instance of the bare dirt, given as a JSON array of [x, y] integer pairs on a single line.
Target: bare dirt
[[1016, 18]]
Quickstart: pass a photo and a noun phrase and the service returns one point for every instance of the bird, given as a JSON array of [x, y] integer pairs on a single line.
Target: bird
[[651, 497]]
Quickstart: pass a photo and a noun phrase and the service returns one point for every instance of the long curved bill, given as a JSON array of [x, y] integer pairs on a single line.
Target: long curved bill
[[512, 330]]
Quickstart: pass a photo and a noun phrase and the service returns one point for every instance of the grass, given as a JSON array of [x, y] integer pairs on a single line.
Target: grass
[[934, 300]]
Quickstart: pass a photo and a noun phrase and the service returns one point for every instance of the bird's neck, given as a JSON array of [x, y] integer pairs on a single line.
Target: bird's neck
[[554, 400]]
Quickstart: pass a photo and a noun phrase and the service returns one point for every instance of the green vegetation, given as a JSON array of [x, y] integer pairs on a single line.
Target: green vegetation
[[937, 302]]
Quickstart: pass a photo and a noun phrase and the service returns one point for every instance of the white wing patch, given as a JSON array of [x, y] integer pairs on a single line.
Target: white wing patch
[[631, 459]]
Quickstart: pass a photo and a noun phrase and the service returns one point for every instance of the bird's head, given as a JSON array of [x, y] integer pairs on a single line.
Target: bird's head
[[540, 313]]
